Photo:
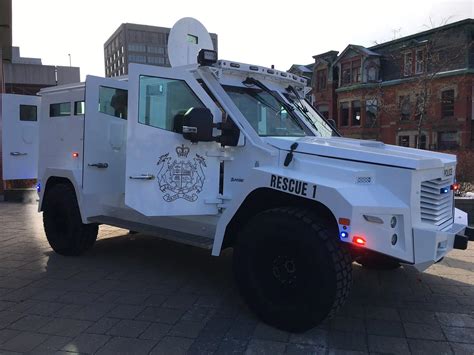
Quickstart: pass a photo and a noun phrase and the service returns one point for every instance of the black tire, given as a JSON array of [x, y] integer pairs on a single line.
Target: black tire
[[375, 261], [66, 233], [291, 269]]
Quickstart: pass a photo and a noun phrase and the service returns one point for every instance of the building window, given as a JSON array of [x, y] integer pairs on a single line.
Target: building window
[[447, 104], [372, 73], [346, 73], [356, 116], [156, 60], [355, 71], [136, 47], [28, 113], [321, 79], [133, 58], [407, 64], [324, 110], [422, 142], [79, 108], [155, 50], [420, 61], [113, 101], [351, 72], [405, 107], [371, 110], [404, 141], [344, 114], [448, 140], [60, 109]]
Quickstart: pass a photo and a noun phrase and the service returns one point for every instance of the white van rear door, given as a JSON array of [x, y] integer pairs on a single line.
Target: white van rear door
[[105, 128], [19, 125]]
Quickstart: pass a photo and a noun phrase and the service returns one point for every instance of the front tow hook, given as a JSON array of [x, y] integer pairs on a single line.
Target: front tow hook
[[461, 241], [469, 233]]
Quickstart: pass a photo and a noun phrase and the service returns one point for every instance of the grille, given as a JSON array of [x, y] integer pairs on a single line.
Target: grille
[[436, 207]]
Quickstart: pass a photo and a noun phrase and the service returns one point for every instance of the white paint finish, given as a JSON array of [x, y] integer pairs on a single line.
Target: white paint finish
[[180, 50], [104, 143], [19, 138], [357, 150], [61, 136], [151, 152]]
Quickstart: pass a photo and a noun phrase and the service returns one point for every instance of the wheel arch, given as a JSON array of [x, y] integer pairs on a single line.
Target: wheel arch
[[52, 181], [265, 198]]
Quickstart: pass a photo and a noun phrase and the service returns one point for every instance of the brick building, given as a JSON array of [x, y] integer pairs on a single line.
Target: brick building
[[416, 86]]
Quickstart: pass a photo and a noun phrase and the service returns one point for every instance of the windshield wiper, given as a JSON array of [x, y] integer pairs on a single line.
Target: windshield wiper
[[300, 107], [255, 82]]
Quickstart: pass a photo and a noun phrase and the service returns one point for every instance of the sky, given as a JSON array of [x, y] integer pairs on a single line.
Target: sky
[[257, 32]]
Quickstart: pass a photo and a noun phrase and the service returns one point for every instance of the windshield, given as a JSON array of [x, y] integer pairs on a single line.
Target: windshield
[[313, 116], [265, 114]]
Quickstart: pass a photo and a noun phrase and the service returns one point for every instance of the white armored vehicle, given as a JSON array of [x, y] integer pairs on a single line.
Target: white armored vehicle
[[221, 154]]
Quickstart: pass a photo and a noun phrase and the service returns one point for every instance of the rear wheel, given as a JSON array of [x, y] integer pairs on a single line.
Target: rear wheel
[[66, 233], [291, 269]]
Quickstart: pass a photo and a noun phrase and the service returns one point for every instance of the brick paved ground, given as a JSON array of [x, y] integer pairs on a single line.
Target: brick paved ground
[[138, 294]]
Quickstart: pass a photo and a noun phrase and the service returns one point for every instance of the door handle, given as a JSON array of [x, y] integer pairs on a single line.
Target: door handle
[[142, 177], [16, 154], [99, 165]]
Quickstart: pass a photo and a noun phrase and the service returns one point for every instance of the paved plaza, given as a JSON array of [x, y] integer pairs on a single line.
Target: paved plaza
[[135, 294]]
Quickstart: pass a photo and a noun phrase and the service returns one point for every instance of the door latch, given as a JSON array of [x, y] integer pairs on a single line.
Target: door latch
[[142, 177], [16, 154], [99, 165]]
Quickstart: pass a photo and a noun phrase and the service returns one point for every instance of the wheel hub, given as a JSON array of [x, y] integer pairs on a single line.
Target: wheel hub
[[284, 270]]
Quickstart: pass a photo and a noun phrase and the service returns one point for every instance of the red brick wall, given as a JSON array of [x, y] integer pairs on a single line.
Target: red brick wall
[[389, 119]]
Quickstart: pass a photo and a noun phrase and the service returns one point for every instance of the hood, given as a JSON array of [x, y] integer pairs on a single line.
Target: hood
[[365, 151]]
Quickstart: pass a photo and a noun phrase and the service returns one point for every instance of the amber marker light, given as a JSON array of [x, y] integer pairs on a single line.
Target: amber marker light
[[358, 240], [344, 221]]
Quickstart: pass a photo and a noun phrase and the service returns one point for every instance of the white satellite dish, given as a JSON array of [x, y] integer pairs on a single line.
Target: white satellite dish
[[187, 37]]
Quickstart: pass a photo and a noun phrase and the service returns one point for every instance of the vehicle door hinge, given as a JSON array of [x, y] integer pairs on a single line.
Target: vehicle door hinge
[[219, 200]]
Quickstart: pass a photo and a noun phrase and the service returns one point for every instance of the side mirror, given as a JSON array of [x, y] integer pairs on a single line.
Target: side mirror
[[198, 124]]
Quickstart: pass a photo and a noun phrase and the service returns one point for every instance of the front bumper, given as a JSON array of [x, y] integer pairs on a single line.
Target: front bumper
[[432, 245]]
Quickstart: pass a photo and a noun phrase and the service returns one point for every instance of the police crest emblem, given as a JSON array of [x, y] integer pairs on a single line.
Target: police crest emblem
[[182, 177]]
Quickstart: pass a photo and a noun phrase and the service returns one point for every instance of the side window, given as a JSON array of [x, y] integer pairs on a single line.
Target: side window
[[60, 110], [113, 102], [162, 101], [28, 113], [79, 108]]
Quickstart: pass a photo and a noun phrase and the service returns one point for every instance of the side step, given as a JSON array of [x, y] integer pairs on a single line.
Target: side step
[[184, 238]]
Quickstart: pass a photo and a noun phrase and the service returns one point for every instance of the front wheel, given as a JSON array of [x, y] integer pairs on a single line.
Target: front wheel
[[66, 233], [291, 269]]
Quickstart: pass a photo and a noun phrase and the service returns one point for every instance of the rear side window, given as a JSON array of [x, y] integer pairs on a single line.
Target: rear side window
[[60, 110], [79, 108], [113, 102], [28, 113]]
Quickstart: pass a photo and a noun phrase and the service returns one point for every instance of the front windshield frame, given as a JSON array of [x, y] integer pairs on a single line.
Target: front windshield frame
[[262, 97]]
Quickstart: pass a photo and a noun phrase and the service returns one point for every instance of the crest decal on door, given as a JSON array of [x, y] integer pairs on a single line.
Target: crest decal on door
[[182, 177]]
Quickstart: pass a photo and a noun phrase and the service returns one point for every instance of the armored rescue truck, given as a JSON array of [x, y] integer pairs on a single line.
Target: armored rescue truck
[[220, 154]]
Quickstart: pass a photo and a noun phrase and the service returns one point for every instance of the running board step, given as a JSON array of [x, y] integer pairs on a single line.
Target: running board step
[[184, 238]]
